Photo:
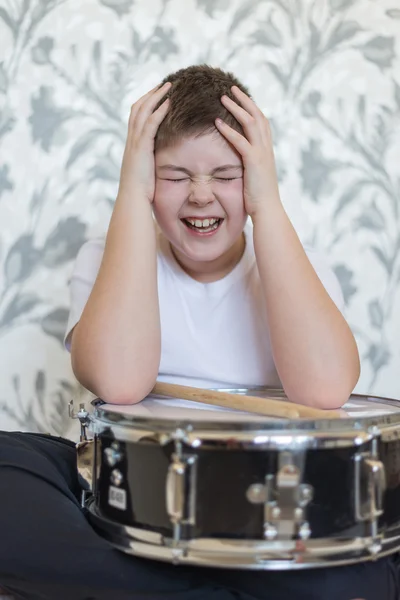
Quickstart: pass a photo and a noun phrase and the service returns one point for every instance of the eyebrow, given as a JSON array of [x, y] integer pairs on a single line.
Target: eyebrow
[[220, 169]]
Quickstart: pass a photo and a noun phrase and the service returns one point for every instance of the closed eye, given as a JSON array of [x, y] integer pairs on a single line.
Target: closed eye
[[227, 178], [176, 180], [217, 178]]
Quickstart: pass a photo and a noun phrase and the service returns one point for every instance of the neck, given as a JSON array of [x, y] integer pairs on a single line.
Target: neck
[[209, 271]]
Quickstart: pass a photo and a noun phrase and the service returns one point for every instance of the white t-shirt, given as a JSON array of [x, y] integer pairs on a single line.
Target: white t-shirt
[[212, 334]]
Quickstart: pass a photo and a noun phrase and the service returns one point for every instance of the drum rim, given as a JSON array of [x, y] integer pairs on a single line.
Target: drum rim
[[103, 414], [148, 544]]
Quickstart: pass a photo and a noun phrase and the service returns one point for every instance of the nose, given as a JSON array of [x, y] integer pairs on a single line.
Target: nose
[[201, 192]]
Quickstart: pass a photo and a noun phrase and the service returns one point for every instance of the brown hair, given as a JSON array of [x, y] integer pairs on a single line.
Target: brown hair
[[195, 103]]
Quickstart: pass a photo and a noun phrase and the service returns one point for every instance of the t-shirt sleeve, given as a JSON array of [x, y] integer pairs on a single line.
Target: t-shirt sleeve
[[84, 275], [327, 277]]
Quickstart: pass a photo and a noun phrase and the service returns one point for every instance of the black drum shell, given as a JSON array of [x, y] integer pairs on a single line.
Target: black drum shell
[[224, 472]]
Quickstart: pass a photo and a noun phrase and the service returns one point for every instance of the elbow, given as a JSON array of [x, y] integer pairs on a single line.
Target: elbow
[[131, 392], [115, 387], [326, 390], [325, 396], [114, 392], [326, 400], [114, 381], [125, 396]]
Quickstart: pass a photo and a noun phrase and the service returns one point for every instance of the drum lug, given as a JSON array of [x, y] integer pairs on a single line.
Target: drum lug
[[284, 499], [369, 505], [180, 490], [175, 489], [83, 416], [84, 450]]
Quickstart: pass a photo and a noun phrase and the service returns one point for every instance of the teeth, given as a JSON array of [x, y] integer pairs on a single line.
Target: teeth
[[203, 223]]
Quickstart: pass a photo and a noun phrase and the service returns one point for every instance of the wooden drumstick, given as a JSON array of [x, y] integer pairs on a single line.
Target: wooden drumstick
[[251, 404]]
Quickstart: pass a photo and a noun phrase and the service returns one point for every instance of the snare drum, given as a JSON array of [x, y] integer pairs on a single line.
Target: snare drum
[[228, 489]]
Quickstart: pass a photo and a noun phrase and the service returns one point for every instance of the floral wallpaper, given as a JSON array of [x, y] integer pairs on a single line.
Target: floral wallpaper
[[326, 72]]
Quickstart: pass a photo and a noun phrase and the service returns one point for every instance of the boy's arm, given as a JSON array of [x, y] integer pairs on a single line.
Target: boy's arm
[[313, 347], [314, 350], [115, 347]]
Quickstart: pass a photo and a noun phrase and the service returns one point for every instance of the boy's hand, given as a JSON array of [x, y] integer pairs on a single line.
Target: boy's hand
[[137, 170], [260, 179]]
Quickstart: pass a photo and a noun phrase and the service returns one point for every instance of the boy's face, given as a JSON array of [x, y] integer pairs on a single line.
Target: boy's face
[[198, 201]]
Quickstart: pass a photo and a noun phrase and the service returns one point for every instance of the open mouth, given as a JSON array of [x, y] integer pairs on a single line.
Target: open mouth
[[203, 225]]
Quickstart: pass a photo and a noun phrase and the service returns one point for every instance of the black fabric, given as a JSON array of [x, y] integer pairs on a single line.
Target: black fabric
[[48, 550]]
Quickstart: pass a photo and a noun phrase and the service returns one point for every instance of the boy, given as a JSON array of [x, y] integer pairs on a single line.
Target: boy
[[207, 299], [277, 324]]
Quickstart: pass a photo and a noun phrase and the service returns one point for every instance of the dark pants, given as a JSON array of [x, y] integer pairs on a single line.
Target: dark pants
[[48, 550]]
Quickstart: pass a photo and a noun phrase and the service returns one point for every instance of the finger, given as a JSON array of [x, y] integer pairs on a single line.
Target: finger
[[250, 125], [247, 102], [136, 105], [256, 113], [132, 124], [237, 140], [147, 108], [155, 119]]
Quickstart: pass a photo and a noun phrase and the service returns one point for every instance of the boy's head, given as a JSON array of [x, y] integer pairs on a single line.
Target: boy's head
[[198, 200], [195, 103]]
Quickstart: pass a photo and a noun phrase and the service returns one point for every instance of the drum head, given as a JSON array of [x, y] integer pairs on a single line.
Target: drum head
[[359, 412]]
